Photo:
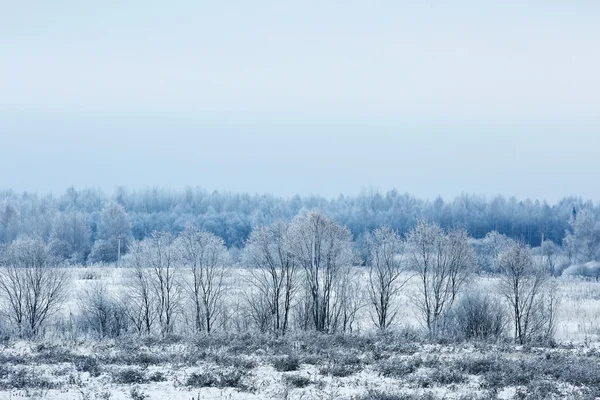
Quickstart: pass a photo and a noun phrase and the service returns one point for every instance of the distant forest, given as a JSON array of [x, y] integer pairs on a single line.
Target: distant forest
[[81, 225]]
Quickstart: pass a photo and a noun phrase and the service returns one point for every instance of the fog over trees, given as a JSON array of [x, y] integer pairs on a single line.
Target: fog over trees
[[86, 226]]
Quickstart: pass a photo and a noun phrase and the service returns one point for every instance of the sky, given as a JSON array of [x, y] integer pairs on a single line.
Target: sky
[[432, 98]]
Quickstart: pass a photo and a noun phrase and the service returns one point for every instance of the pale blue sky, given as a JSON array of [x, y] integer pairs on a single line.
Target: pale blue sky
[[430, 97]]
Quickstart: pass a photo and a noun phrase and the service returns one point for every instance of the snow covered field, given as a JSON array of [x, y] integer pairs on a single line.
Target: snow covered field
[[299, 367], [578, 320], [360, 365]]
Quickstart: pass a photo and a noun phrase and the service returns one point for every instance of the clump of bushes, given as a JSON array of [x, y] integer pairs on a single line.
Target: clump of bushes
[[286, 363], [89, 365], [340, 370], [218, 378], [478, 316], [398, 368], [26, 379], [129, 376], [297, 380]]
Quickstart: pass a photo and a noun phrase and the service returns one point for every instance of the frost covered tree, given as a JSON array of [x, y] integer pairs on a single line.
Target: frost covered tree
[[161, 259], [113, 235], [32, 286], [139, 299], [529, 291], [582, 239], [101, 312], [489, 247], [552, 257], [386, 269], [70, 238], [273, 276], [323, 249], [442, 262], [206, 257]]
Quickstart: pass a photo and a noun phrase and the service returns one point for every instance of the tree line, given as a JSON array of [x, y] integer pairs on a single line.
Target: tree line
[[303, 274], [86, 226]]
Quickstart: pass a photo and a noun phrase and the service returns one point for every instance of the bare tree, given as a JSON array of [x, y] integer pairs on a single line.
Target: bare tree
[[442, 262], [102, 312], [582, 239], [323, 248], [161, 259], [273, 275], [386, 269], [206, 256], [348, 299], [528, 290], [31, 283], [140, 299]]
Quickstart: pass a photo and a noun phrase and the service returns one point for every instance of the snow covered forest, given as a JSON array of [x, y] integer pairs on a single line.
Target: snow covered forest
[[83, 226]]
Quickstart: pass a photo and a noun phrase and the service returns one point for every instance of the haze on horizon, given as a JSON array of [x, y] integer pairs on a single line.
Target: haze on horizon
[[310, 98]]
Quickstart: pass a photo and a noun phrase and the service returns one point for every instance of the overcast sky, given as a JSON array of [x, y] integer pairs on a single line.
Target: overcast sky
[[322, 97]]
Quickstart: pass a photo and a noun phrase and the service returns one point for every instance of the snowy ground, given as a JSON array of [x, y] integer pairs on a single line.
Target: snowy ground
[[299, 367], [360, 366], [578, 321]]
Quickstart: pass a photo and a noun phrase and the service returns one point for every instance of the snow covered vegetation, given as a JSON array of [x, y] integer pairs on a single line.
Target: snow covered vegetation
[[96, 305]]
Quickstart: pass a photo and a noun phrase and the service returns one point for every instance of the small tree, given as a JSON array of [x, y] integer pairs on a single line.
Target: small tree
[[443, 263], [386, 269], [139, 299], [205, 255], [101, 312], [323, 248], [528, 289], [582, 239], [32, 284], [161, 259], [273, 276], [114, 232]]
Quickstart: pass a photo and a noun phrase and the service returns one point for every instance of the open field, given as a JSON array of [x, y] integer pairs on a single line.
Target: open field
[[578, 320]]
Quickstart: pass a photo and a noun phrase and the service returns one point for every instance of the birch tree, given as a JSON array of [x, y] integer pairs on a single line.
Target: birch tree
[[273, 275], [443, 262], [528, 289], [386, 269], [323, 249], [205, 256], [32, 286]]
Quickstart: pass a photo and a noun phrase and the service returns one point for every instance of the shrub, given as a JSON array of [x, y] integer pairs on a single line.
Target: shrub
[[27, 379], [89, 365], [441, 376], [286, 363], [340, 370], [136, 394], [217, 378], [397, 368], [297, 380], [478, 316], [157, 377], [129, 376], [381, 395]]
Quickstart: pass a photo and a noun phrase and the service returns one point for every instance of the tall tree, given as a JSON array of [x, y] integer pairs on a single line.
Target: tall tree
[[528, 289], [205, 255], [113, 234], [31, 283], [582, 239], [273, 274], [323, 248], [386, 268], [443, 262]]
